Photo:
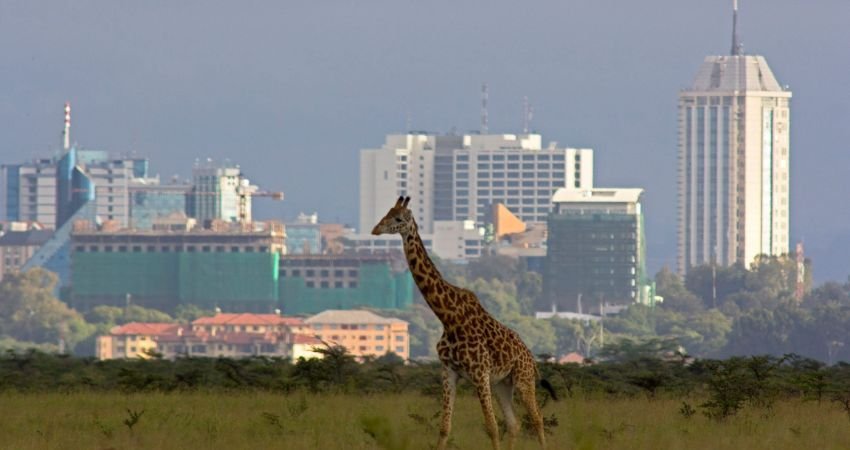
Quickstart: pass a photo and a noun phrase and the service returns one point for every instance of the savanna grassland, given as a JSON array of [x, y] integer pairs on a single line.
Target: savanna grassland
[[629, 401], [404, 421]]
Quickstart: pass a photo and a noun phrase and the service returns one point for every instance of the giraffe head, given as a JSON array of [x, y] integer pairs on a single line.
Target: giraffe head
[[398, 219]]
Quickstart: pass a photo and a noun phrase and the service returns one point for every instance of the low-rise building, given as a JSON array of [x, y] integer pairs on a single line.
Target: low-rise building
[[223, 335], [132, 340], [362, 333]]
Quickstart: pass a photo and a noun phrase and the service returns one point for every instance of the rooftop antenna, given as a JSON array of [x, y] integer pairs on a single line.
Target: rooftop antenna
[[66, 133], [484, 96], [737, 48], [527, 114]]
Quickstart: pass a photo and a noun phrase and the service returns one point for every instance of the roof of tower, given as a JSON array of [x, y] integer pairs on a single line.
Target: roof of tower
[[735, 73]]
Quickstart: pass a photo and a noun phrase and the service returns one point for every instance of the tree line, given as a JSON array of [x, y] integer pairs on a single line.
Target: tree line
[[712, 312]]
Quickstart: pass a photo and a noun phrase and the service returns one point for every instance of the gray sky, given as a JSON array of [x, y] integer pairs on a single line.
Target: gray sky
[[292, 90]]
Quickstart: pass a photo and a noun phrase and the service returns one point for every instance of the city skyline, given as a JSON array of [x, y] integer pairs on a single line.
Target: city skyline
[[168, 96]]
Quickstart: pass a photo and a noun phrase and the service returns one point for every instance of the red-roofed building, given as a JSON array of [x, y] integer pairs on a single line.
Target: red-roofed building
[[303, 346], [223, 335], [132, 340]]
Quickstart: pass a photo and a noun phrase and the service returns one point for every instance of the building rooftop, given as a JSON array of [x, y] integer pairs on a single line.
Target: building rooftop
[[597, 195], [351, 316], [247, 319], [736, 73], [149, 329], [306, 339], [29, 237]]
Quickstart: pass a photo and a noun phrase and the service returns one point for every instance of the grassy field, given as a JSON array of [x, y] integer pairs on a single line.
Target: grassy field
[[273, 421]]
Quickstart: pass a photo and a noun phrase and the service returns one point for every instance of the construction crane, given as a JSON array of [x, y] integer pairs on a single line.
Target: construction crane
[[246, 191]]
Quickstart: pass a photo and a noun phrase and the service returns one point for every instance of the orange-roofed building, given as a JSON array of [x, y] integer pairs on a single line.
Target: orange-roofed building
[[304, 345], [132, 340], [223, 335], [362, 333], [247, 322]]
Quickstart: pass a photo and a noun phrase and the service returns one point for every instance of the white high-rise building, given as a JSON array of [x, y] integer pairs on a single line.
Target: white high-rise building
[[734, 150], [459, 178]]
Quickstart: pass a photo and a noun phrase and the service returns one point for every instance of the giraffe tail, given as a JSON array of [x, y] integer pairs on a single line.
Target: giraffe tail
[[545, 384]]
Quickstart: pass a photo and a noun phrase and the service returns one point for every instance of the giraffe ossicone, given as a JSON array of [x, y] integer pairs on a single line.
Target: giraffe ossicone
[[474, 344]]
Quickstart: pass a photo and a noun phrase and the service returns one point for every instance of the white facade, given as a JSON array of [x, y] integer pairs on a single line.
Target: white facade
[[451, 241], [403, 166], [217, 193], [516, 171], [734, 163], [34, 187], [458, 178], [35, 183]]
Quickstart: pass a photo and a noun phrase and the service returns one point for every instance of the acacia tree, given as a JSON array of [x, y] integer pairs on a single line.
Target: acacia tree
[[30, 312]]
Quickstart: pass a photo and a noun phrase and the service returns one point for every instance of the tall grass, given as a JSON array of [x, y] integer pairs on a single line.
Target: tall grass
[[197, 420]]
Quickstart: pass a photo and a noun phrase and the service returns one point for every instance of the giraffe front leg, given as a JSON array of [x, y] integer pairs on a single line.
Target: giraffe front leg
[[449, 389], [482, 385], [504, 391]]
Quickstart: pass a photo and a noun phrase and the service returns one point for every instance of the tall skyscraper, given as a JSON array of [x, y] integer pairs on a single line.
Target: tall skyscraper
[[459, 178], [734, 149]]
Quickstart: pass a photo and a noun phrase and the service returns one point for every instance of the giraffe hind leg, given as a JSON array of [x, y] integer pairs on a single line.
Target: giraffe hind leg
[[528, 395]]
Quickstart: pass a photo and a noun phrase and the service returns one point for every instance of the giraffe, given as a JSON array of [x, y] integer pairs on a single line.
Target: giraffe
[[474, 344]]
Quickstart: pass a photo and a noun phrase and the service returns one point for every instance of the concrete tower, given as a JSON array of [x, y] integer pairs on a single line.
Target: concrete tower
[[733, 161]]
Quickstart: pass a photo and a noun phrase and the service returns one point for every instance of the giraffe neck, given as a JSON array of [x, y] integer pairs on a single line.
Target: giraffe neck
[[428, 279]]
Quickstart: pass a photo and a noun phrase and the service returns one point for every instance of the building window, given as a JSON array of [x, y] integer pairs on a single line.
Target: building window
[[379, 348], [399, 338], [399, 349]]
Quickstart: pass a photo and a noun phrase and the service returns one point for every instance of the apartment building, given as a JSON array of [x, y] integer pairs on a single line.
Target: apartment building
[[362, 333], [223, 335]]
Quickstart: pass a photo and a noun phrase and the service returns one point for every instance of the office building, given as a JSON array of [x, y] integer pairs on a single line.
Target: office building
[[596, 251], [458, 178], [734, 150]]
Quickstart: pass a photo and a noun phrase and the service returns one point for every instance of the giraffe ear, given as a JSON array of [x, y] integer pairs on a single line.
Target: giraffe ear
[[398, 202], [406, 201]]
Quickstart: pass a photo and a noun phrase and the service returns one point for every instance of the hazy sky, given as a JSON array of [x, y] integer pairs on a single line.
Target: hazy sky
[[291, 90]]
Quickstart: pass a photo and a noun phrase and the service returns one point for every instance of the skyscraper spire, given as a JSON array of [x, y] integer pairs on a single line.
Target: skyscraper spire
[[737, 48], [66, 132]]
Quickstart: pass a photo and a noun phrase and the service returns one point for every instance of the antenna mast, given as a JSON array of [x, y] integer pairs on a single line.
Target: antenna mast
[[527, 113], [484, 97], [737, 48], [66, 132]]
